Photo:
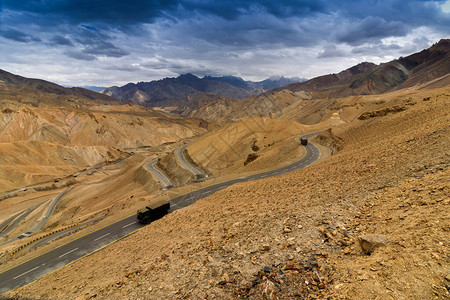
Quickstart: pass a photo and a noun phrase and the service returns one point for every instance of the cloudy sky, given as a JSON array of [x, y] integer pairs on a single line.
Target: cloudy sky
[[112, 42]]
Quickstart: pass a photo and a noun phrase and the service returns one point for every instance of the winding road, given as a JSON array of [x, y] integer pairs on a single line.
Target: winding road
[[33, 269], [198, 173], [163, 179]]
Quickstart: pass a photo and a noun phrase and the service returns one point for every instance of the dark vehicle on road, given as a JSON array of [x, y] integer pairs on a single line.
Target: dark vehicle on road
[[153, 212], [304, 142]]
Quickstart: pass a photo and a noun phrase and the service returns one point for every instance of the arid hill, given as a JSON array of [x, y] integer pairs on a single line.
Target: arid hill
[[237, 147], [11, 80]]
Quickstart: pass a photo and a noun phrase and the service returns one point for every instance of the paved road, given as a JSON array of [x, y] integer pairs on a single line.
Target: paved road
[[39, 224], [198, 173], [49, 183], [7, 226], [45, 217], [164, 180], [35, 268]]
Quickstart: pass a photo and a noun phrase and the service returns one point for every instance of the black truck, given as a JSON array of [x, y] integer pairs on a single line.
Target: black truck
[[304, 142], [153, 212]]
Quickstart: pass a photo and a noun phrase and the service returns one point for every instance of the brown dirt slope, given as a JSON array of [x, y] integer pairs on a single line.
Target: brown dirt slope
[[117, 126], [29, 162], [177, 173], [296, 235], [225, 150]]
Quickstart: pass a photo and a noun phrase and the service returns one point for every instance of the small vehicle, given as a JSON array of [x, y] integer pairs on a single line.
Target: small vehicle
[[153, 212], [304, 142]]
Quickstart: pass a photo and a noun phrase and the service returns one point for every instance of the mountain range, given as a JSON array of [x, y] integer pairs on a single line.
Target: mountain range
[[170, 91]]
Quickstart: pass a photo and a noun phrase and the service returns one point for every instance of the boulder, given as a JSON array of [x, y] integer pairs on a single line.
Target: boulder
[[370, 242]]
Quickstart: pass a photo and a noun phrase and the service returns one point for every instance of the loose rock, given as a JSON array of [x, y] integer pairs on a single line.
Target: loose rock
[[370, 242]]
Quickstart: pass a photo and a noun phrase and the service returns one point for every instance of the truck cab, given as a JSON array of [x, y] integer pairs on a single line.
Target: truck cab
[[153, 211]]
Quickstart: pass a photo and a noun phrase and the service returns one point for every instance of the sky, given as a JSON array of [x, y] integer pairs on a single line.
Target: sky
[[112, 42]]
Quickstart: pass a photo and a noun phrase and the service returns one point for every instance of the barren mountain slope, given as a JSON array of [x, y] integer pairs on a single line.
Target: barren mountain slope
[[15, 82], [248, 145], [427, 68], [405, 72], [287, 236], [29, 162], [270, 104], [112, 126]]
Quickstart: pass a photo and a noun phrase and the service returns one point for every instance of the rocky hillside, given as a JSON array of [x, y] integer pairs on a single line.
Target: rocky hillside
[[370, 221], [239, 146], [11, 80], [178, 91], [365, 79], [114, 126], [321, 82]]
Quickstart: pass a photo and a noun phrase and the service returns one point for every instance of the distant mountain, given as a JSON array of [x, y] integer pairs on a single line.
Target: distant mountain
[[9, 79], [97, 89], [276, 82], [259, 86], [174, 91], [364, 79]]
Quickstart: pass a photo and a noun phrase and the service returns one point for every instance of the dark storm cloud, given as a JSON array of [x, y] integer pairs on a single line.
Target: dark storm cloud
[[108, 11], [92, 41], [332, 51], [80, 55], [60, 40], [414, 13], [371, 29], [103, 48], [232, 9], [18, 36], [237, 22]]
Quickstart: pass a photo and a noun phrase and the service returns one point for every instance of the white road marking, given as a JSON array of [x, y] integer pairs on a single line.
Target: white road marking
[[26, 272], [189, 198], [208, 192], [128, 225], [223, 186], [68, 252], [100, 237]]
